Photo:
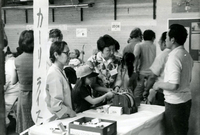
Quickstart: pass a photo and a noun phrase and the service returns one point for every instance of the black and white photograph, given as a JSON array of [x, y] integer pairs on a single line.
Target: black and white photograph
[[99, 67]]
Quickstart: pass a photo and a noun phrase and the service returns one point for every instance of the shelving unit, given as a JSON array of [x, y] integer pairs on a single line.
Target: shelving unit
[[80, 6], [53, 7]]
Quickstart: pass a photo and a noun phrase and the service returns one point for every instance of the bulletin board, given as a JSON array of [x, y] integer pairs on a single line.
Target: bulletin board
[[192, 43]]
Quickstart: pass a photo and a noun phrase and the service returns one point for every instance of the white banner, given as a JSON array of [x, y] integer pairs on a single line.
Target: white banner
[[40, 13]]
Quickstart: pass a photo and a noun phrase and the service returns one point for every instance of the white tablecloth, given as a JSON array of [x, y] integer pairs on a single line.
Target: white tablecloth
[[147, 121]]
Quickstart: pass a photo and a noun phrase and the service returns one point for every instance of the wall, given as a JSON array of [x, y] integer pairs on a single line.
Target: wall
[[164, 12], [96, 19]]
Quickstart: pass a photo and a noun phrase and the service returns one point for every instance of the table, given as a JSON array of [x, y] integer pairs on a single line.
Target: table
[[147, 121]]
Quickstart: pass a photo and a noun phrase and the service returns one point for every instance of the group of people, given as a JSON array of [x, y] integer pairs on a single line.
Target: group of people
[[19, 79], [163, 79]]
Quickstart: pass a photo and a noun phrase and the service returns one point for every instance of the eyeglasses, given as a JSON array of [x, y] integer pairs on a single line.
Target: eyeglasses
[[67, 53]]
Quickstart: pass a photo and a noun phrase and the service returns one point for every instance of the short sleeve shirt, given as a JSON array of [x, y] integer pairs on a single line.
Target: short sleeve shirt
[[178, 70], [130, 47], [147, 53], [159, 63], [78, 97]]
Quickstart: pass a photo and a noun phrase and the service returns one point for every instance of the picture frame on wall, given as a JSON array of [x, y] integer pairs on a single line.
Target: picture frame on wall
[[183, 6]]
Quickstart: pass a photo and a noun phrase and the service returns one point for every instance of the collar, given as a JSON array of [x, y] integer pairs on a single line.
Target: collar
[[133, 40], [100, 57], [148, 41], [60, 70], [175, 50], [56, 67], [166, 49]]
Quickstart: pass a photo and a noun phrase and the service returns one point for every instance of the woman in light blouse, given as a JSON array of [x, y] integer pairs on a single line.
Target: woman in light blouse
[[57, 85]]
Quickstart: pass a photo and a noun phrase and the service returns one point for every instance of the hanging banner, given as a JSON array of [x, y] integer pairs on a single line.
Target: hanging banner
[[39, 108]]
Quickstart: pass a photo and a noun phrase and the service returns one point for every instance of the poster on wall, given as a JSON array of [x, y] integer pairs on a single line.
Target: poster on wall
[[192, 43], [195, 36], [116, 26], [182, 6], [81, 32]]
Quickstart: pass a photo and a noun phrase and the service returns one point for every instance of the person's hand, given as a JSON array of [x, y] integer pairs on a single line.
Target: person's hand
[[156, 86], [145, 94], [111, 79], [72, 113], [109, 95], [116, 89]]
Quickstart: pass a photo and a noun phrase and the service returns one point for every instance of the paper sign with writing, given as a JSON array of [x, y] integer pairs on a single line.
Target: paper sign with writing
[[116, 26]]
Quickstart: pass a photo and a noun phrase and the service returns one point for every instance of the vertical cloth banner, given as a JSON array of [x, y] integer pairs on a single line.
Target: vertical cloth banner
[[39, 108]]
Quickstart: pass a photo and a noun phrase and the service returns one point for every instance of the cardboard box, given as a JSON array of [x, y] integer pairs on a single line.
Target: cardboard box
[[78, 127], [115, 110]]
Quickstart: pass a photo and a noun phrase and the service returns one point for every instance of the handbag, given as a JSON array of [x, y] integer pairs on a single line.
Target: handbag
[[126, 101]]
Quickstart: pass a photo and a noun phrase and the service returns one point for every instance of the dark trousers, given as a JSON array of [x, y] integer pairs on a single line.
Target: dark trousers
[[138, 92], [176, 118], [159, 99]]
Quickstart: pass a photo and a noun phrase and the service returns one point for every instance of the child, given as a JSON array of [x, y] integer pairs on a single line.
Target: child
[[126, 79], [75, 61], [82, 93]]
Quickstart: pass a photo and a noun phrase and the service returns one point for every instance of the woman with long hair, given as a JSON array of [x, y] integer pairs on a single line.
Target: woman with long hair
[[126, 79]]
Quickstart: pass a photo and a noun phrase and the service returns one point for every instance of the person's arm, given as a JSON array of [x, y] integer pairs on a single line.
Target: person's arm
[[118, 81], [165, 86], [14, 76], [156, 70], [173, 69], [100, 88], [150, 82], [95, 86], [56, 92], [137, 54], [97, 100]]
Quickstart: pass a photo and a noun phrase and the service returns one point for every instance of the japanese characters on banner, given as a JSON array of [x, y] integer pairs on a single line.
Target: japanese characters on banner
[[39, 108]]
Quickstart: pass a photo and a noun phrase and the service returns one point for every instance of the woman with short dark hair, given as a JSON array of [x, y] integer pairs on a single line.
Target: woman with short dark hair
[[58, 90], [26, 41], [104, 62]]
